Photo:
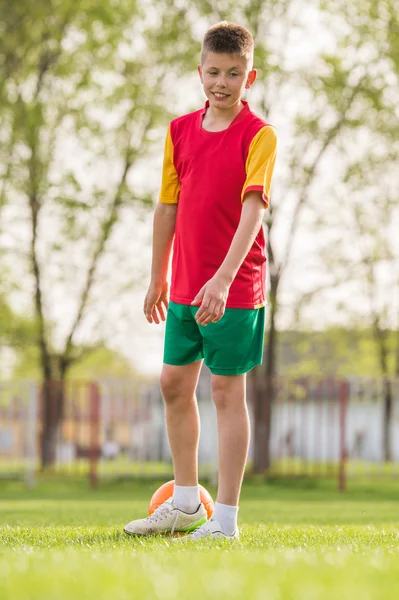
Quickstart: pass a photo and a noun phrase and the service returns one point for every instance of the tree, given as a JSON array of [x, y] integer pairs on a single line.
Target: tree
[[360, 243], [345, 91], [76, 74], [372, 218]]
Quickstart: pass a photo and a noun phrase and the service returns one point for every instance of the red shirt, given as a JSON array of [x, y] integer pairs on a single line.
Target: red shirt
[[208, 174]]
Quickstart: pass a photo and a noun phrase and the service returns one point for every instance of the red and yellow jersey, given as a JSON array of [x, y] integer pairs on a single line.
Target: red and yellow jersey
[[208, 174]]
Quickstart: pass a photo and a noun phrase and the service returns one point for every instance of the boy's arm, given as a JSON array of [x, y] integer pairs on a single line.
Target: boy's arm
[[156, 300], [213, 295], [255, 196]]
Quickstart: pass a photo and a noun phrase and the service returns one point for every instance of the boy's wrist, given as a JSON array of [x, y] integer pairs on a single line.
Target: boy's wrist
[[157, 282], [225, 276]]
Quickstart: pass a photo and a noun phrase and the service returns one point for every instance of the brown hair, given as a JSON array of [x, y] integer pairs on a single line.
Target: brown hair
[[228, 38]]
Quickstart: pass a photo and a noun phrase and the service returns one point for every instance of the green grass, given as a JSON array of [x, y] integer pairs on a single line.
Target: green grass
[[300, 541], [122, 466]]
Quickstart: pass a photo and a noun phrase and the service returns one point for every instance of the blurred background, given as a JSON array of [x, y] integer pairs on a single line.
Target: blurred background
[[86, 94]]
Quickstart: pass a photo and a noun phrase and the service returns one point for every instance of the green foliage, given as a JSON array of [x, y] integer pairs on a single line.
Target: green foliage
[[15, 331], [99, 81], [27, 363], [360, 81], [368, 29], [102, 363], [334, 351], [97, 363], [82, 96]]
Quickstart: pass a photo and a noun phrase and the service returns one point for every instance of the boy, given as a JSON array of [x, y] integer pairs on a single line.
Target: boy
[[217, 171]]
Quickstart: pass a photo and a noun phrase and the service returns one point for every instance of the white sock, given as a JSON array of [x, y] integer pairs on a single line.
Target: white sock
[[186, 497], [227, 517]]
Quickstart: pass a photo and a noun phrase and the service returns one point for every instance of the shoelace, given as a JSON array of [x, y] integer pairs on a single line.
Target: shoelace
[[160, 512]]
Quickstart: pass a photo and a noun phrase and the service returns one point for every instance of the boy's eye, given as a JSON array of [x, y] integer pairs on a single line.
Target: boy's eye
[[215, 73]]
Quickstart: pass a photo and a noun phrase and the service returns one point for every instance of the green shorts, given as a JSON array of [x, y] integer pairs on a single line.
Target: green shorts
[[232, 346]]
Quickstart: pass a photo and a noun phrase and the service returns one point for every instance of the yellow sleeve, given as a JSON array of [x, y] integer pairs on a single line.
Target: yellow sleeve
[[170, 186], [260, 163]]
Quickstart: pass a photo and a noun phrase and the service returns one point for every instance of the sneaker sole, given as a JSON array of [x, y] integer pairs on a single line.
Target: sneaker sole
[[187, 539], [168, 532], [192, 527]]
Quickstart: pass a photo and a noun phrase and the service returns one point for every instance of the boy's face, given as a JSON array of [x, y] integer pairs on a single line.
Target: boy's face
[[224, 78]]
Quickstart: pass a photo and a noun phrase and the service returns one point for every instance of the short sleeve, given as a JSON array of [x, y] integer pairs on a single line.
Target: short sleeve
[[170, 186], [260, 163]]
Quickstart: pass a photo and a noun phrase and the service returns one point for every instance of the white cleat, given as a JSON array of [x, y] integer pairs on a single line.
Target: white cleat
[[167, 519], [210, 530]]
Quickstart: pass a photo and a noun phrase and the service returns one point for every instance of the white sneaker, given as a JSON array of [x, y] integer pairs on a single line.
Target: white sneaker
[[167, 518], [210, 529]]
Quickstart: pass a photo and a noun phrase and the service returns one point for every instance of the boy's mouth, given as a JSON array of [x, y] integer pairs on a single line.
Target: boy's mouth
[[220, 95]]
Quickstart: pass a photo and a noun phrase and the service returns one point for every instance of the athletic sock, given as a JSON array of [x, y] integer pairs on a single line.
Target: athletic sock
[[186, 497], [227, 517]]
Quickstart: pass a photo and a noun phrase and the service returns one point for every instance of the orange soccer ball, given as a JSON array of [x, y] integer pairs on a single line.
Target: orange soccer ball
[[166, 491]]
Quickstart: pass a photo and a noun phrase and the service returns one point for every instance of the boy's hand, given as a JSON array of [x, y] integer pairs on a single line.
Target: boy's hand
[[156, 303], [212, 297]]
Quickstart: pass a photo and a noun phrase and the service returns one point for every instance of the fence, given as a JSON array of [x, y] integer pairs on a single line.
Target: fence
[[103, 429], [335, 428], [320, 428], [308, 427]]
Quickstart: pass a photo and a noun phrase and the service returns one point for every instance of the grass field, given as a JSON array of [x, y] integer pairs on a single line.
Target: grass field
[[298, 543]]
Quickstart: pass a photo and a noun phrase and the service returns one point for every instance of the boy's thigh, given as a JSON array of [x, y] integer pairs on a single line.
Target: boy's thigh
[[234, 345], [183, 341]]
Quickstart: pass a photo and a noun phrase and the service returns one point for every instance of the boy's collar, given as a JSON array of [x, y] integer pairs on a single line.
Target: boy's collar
[[245, 109]]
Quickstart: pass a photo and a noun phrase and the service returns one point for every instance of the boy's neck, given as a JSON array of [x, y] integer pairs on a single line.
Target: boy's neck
[[216, 119]]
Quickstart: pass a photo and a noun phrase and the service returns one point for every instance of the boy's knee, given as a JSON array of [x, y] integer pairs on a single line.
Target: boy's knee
[[173, 386], [227, 391], [220, 391], [169, 386]]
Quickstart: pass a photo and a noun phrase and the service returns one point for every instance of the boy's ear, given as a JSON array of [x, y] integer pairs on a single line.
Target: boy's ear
[[251, 78], [199, 69]]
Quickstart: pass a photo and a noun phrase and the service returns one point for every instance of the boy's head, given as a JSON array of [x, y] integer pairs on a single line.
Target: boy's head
[[226, 63], [228, 38]]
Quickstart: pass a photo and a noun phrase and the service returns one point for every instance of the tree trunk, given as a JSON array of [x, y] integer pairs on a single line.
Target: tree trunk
[[263, 391], [52, 410], [397, 355], [387, 418], [382, 340]]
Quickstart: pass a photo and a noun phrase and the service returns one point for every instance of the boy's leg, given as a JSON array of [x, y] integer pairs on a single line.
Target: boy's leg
[[178, 384], [229, 396], [228, 393], [232, 347], [183, 358], [183, 513]]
